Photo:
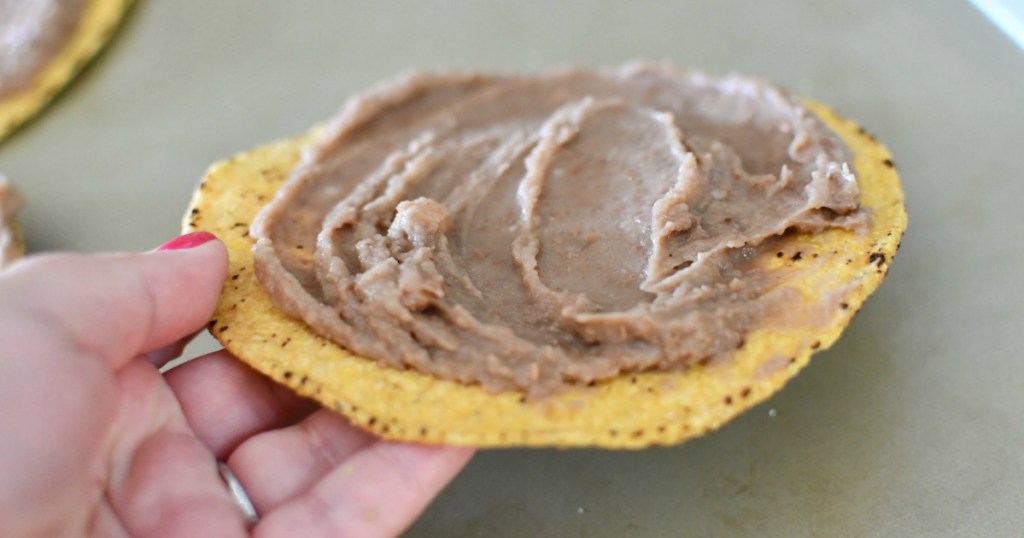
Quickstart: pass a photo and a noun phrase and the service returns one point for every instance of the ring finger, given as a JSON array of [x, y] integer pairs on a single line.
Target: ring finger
[[278, 465]]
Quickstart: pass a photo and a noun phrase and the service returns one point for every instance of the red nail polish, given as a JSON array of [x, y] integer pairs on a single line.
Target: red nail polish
[[188, 240]]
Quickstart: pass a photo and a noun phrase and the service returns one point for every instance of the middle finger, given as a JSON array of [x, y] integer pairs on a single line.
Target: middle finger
[[227, 402]]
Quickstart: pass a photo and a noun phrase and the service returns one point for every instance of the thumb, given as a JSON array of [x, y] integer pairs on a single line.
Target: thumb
[[115, 306]]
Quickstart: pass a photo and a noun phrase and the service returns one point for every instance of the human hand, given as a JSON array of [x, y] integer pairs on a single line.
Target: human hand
[[94, 440]]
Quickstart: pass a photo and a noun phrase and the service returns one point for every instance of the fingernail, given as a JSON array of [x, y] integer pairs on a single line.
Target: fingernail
[[188, 240]]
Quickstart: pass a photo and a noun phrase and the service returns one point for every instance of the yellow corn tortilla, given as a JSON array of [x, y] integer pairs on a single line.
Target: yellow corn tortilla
[[19, 240], [17, 244], [12, 242], [99, 20], [630, 411]]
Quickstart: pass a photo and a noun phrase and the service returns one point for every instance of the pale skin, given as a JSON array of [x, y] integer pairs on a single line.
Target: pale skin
[[94, 440]]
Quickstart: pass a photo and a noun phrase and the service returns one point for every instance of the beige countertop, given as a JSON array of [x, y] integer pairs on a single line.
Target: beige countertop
[[913, 425]]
